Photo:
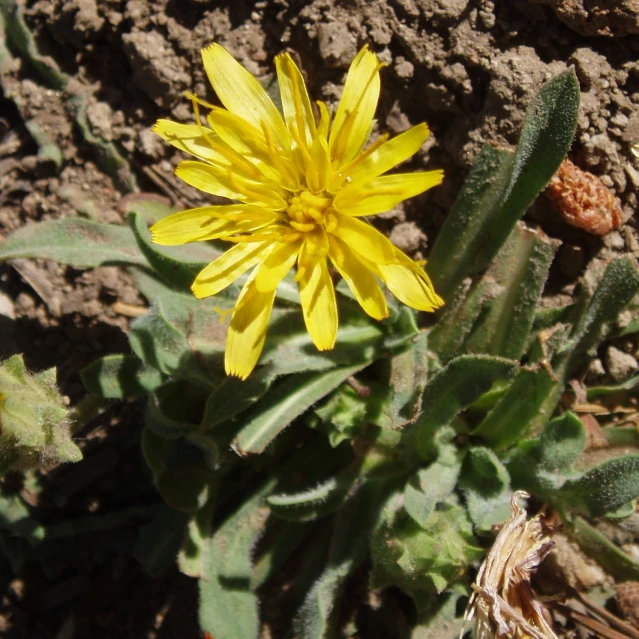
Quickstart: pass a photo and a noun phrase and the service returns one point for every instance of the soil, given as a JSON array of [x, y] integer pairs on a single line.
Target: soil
[[467, 67]]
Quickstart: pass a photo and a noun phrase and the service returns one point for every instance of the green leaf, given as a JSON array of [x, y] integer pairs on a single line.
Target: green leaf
[[119, 377], [431, 485], [526, 406], [485, 484], [615, 290], [315, 502], [452, 390], [74, 241], [423, 561], [177, 265], [228, 607], [610, 557], [288, 400], [349, 544], [502, 186], [604, 488], [520, 270], [159, 541]]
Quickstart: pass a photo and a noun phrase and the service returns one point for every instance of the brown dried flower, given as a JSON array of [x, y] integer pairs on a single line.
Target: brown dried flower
[[583, 200], [503, 603]]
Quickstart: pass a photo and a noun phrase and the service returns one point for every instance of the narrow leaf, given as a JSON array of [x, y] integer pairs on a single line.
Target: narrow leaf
[[120, 376], [282, 405], [503, 185], [74, 241]]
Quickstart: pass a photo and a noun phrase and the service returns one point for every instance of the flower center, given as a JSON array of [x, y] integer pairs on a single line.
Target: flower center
[[306, 211]]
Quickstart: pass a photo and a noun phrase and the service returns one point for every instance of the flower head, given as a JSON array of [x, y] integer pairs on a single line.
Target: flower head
[[302, 185]]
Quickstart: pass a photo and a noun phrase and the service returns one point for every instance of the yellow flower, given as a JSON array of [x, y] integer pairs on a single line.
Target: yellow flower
[[303, 185]]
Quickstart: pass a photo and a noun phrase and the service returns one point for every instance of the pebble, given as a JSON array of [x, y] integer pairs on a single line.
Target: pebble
[[620, 365]]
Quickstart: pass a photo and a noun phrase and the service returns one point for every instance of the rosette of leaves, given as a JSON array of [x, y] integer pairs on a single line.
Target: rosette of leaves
[[397, 450]]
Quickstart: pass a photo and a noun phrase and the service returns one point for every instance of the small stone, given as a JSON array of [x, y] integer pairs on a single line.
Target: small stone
[[595, 371], [151, 144], [407, 236], [620, 365]]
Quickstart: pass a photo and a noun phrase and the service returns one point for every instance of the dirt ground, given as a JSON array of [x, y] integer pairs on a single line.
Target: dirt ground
[[467, 67]]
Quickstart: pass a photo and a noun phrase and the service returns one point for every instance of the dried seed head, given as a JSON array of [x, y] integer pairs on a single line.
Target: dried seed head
[[583, 200], [503, 603], [628, 601]]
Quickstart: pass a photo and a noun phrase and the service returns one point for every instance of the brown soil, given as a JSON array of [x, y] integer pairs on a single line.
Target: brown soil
[[467, 67]]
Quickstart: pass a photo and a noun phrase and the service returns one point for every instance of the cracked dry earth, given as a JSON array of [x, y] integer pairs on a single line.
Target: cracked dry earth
[[467, 67]]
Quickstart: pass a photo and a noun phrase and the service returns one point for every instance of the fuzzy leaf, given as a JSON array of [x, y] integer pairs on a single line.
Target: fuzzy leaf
[[604, 488], [502, 186], [485, 484], [228, 607], [315, 502], [614, 291], [349, 544], [452, 390], [74, 241], [119, 377], [283, 404], [421, 560], [608, 555], [527, 403]]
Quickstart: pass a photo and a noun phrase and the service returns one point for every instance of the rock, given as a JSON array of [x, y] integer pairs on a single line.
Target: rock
[[620, 365]]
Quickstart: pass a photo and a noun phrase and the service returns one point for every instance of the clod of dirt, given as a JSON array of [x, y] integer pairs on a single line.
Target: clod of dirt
[[602, 18], [620, 365], [407, 236], [157, 70], [337, 45]]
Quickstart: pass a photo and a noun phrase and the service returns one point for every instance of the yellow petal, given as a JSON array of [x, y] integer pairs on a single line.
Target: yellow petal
[[188, 138], [216, 181], [248, 141], [359, 279], [386, 156], [209, 223], [409, 283], [247, 330], [242, 94], [296, 105], [318, 169], [229, 266], [356, 109], [318, 304], [384, 193], [364, 239], [275, 267], [314, 248]]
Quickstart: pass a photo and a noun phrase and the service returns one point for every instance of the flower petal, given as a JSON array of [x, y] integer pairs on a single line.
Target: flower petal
[[318, 304], [389, 154], [247, 331], [409, 283], [296, 104], [354, 116], [359, 279], [275, 267], [209, 223], [384, 193], [188, 138], [365, 240], [242, 94], [251, 144], [216, 181], [229, 266]]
